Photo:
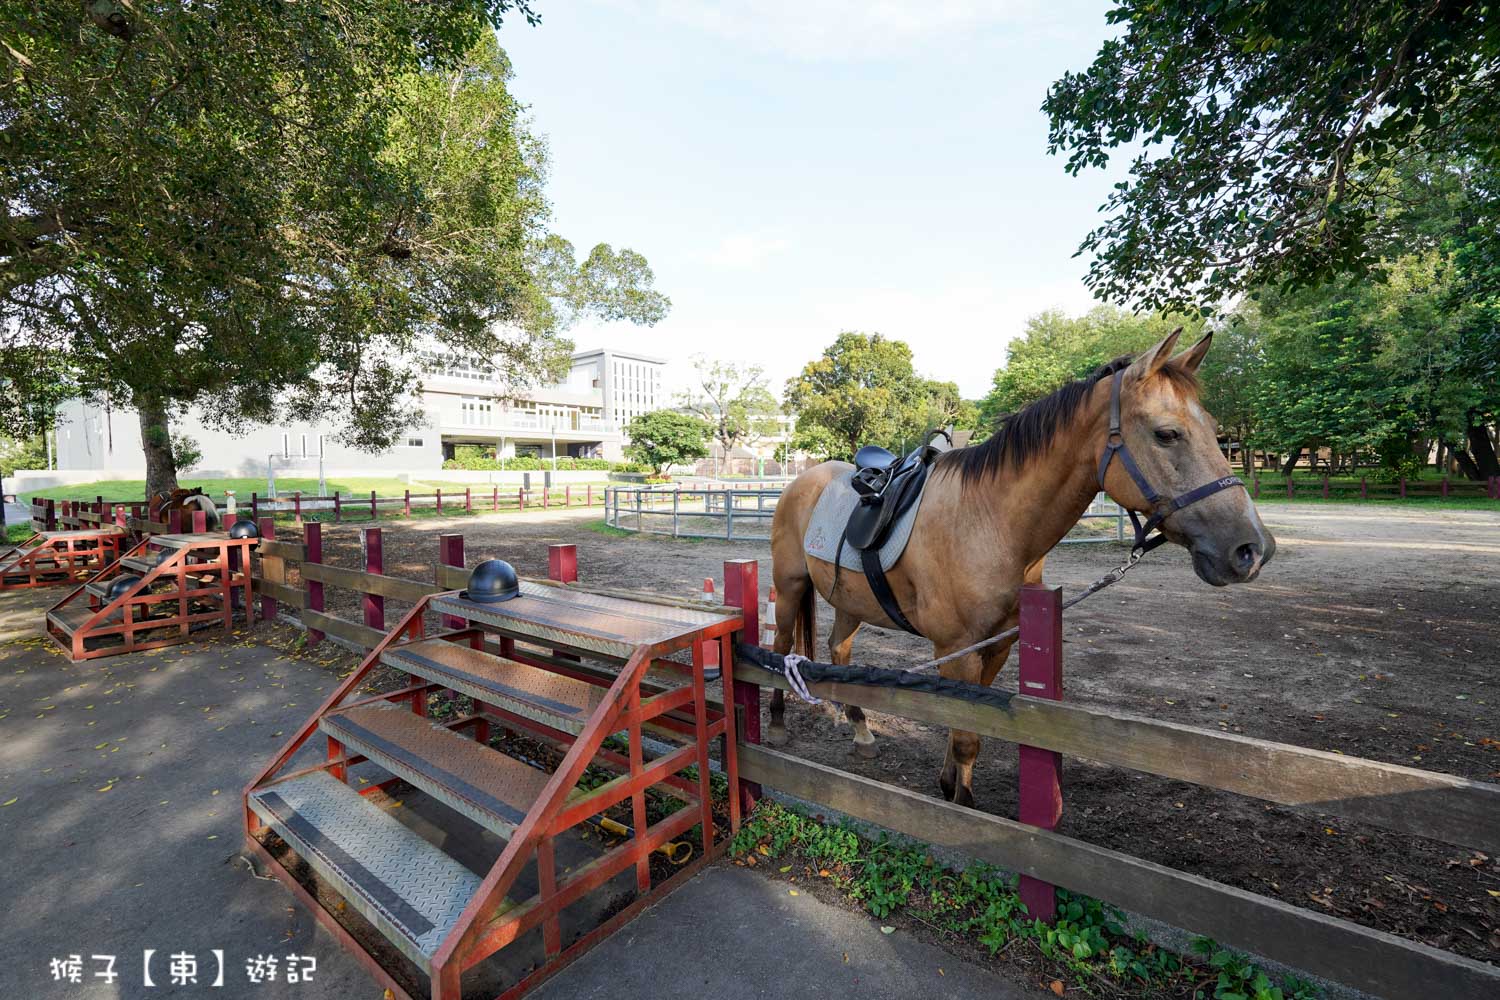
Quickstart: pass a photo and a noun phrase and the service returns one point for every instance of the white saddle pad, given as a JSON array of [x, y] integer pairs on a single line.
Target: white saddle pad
[[831, 516]]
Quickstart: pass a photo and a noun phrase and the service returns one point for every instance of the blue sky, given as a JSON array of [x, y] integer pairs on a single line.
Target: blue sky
[[795, 169]]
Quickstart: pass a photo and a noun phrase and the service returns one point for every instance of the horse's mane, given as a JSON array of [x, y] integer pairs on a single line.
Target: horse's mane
[[1021, 436]]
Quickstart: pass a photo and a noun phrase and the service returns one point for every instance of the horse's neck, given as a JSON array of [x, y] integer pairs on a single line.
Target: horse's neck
[[1035, 506]]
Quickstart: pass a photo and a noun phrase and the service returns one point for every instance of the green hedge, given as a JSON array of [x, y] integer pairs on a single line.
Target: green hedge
[[530, 463]]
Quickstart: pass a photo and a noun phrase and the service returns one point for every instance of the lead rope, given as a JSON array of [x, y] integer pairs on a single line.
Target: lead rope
[[1113, 576]]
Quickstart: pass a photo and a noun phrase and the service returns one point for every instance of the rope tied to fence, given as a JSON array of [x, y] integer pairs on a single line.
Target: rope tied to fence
[[798, 670]]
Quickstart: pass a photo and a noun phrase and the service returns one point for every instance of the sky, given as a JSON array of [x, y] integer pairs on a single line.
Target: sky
[[794, 169]]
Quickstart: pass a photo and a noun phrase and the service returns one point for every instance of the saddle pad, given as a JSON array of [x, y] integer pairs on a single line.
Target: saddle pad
[[831, 516]]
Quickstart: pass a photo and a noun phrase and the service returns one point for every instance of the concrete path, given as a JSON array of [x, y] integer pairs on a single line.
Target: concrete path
[[120, 831]]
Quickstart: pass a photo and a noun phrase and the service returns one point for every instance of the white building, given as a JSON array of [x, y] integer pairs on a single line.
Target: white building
[[584, 416]]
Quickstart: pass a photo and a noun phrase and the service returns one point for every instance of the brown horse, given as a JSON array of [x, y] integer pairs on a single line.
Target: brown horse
[[993, 511]]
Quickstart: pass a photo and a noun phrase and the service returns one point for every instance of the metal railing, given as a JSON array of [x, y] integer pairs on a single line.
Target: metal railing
[[733, 514]]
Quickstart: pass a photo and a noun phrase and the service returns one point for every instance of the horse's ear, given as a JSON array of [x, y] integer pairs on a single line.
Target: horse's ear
[[1190, 359], [1150, 363]]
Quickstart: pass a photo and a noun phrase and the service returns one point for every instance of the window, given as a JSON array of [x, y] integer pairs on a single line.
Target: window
[[414, 442]]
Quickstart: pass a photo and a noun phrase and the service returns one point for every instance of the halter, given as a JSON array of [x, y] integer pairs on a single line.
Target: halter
[[1162, 508]]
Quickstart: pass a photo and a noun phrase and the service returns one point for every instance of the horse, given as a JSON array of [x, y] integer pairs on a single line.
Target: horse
[[186, 501], [992, 511]]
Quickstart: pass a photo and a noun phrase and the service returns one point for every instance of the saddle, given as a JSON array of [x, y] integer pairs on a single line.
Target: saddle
[[887, 488]]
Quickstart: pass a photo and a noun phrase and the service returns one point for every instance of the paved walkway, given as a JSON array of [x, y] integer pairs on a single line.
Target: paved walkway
[[120, 831]]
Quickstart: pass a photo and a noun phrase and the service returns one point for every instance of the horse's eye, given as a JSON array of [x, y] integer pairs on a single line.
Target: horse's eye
[[1167, 435]]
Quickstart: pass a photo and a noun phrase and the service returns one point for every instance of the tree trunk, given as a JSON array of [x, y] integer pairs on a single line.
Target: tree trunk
[[156, 440], [1483, 451], [1291, 462]]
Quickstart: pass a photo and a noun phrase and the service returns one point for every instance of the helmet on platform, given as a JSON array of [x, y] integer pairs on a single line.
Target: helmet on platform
[[244, 528], [492, 581], [120, 586]]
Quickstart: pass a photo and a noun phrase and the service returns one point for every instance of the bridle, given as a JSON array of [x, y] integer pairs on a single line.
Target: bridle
[[1162, 508]]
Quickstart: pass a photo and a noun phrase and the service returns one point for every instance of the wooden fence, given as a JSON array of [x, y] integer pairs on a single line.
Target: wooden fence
[[1362, 489], [1407, 800]]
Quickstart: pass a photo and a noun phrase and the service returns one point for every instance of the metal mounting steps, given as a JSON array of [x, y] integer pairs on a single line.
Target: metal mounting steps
[[487, 786], [444, 917], [196, 581], [56, 558], [409, 889], [561, 702]]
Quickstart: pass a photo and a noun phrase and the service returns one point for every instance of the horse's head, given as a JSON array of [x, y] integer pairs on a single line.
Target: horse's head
[[1174, 442]]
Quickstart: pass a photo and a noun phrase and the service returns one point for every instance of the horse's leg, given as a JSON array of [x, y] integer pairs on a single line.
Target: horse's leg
[[957, 779], [792, 593], [841, 648]]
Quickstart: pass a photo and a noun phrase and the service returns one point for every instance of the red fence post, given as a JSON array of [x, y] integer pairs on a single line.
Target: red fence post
[[742, 590], [495, 498], [1040, 772], [50, 518], [546, 500], [1364, 489], [268, 604], [297, 507], [174, 521], [1325, 487], [468, 500], [254, 507], [588, 496], [406, 503], [314, 542], [374, 561], [1445, 486], [451, 553], [1403, 487], [374, 514], [338, 509], [439, 501], [562, 563], [521, 498], [1290, 489]]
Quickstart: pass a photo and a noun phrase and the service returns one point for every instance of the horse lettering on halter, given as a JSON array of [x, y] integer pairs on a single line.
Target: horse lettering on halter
[[1134, 430]]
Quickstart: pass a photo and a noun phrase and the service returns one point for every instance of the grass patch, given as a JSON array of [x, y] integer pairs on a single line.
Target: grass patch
[[16, 533], [1424, 503], [1088, 946], [602, 527]]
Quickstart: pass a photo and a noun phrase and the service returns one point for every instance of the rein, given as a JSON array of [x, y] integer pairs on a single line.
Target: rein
[[1145, 541]]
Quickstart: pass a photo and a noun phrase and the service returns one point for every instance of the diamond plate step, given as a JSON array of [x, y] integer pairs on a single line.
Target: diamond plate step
[[490, 788], [558, 701], [405, 886]]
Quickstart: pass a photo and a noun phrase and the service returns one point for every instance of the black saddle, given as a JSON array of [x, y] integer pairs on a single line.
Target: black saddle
[[887, 488]]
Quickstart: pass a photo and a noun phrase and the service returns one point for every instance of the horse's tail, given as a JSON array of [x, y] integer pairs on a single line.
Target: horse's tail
[[807, 619]]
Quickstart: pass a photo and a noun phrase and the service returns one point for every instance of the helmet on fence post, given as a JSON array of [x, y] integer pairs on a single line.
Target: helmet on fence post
[[244, 528], [120, 586], [492, 581]]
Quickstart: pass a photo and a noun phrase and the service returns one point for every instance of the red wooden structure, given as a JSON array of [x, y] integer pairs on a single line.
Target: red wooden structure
[[57, 558], [561, 664], [176, 584]]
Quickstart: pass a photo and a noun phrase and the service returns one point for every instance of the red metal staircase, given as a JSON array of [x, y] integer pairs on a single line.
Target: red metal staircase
[[566, 668], [180, 584], [58, 558]]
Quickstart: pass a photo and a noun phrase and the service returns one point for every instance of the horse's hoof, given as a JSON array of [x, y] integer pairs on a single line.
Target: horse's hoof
[[869, 751], [776, 736]]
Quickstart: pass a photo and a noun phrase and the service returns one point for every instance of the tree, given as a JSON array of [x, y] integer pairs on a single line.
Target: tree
[[22, 453], [268, 209], [1057, 348], [734, 400], [1266, 135], [664, 438], [863, 390]]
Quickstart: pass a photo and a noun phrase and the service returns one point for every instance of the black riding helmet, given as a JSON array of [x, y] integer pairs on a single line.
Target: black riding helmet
[[492, 581], [244, 528], [120, 585]]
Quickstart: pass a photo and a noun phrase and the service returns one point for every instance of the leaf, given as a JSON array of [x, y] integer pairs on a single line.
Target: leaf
[[1057, 986], [784, 869], [887, 929], [1492, 892], [793, 892], [18, 798]]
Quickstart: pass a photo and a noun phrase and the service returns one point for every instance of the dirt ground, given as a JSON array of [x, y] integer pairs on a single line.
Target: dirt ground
[[1375, 633]]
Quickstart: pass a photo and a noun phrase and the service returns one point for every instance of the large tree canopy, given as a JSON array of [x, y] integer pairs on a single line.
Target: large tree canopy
[[1263, 138], [271, 207]]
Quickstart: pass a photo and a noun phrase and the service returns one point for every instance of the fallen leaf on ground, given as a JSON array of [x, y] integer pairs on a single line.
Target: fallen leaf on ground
[[1057, 987]]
